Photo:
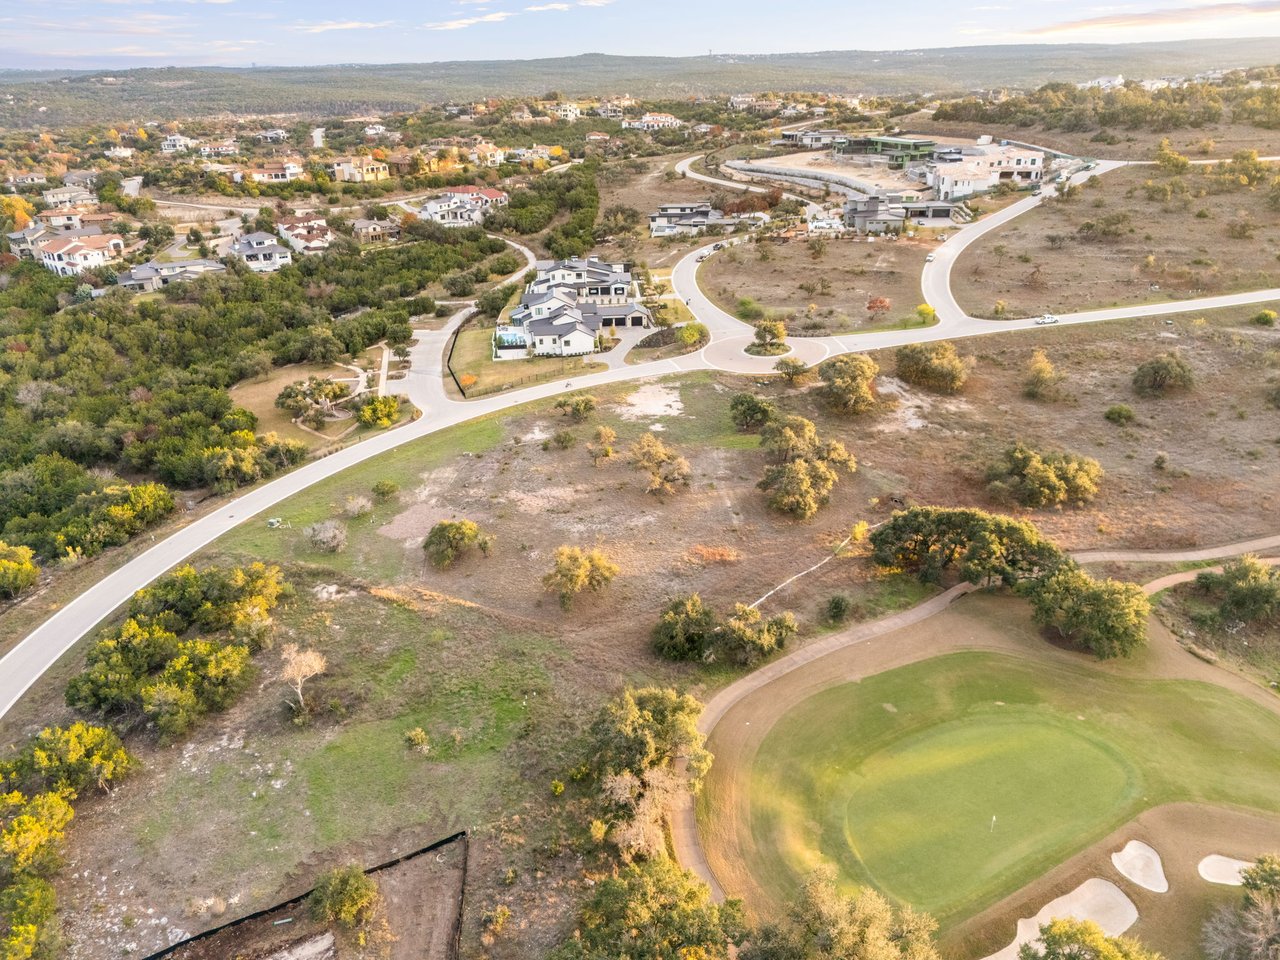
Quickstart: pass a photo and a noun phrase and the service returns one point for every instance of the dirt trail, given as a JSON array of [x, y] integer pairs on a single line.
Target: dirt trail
[[736, 721]]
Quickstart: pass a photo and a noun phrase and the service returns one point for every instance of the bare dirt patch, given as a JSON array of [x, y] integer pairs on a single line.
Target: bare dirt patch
[[1161, 250], [837, 284], [643, 184]]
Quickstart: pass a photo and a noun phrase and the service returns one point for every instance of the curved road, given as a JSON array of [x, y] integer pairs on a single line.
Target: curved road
[[685, 839], [39, 650]]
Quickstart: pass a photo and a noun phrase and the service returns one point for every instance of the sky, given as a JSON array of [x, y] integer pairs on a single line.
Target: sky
[[122, 33]]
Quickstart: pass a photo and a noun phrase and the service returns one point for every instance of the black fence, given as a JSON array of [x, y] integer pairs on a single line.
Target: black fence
[[295, 901]]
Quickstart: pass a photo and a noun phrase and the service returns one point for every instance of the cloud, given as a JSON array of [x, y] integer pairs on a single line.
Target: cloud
[[1161, 18], [547, 6], [463, 22], [594, 3], [326, 26]]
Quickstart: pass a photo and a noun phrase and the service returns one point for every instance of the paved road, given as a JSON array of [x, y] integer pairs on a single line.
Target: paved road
[[40, 649]]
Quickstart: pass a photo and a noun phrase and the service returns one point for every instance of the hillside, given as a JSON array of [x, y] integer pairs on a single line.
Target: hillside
[[46, 98]]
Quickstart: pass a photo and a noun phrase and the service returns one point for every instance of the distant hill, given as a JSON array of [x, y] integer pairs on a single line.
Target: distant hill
[[157, 93]]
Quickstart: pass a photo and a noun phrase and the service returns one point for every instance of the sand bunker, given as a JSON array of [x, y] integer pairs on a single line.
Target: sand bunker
[[651, 400], [1141, 864], [1225, 870], [1098, 900]]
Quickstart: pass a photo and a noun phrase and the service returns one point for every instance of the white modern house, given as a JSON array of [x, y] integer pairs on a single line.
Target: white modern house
[[276, 171], [177, 143], [69, 197], [958, 173], [261, 252], [672, 219], [654, 121], [463, 206]]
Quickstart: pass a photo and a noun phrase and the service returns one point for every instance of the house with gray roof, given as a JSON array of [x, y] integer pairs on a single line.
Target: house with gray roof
[[261, 252], [156, 274]]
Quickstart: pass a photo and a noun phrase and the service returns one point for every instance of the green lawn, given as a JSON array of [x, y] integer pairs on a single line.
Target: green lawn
[[901, 788]]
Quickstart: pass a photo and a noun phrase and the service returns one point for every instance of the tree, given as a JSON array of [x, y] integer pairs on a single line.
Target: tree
[[1042, 378], [749, 412], [770, 334], [926, 314], [575, 570], [299, 667], [1248, 589], [1250, 930], [31, 830], [686, 630], [981, 547], [848, 382], [579, 406], [657, 911], [824, 923], [18, 570], [878, 307], [17, 211], [1169, 160], [449, 538], [345, 896], [648, 728], [799, 487], [666, 468], [792, 438], [1082, 940], [935, 366], [792, 370], [379, 412], [1106, 617], [1160, 374], [1036, 480]]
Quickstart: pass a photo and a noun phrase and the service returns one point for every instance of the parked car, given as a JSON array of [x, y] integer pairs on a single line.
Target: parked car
[[717, 246], [1047, 318]]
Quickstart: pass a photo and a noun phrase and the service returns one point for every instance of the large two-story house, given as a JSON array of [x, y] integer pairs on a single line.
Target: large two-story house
[[261, 252]]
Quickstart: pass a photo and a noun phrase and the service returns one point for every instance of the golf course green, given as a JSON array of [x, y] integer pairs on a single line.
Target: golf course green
[[950, 783]]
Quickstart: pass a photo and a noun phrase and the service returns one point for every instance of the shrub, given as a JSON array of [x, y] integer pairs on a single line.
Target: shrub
[[358, 506], [327, 535], [1036, 480], [693, 334], [749, 310], [384, 490], [345, 896], [1247, 589], [838, 608], [1163, 373], [749, 636], [563, 439], [1120, 414], [686, 630], [666, 468], [749, 411], [935, 366], [1264, 318], [18, 570], [792, 370], [575, 570], [579, 406], [1042, 378], [449, 538]]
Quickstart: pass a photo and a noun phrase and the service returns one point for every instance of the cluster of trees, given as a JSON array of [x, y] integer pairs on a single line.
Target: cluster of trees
[[1106, 617], [38, 787], [1247, 590], [58, 508], [804, 468], [935, 366], [312, 400], [1037, 480], [690, 630], [1062, 106], [573, 191], [141, 385], [1251, 929], [634, 743], [184, 649]]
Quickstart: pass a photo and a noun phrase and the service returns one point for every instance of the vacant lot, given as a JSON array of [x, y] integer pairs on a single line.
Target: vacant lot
[[1130, 144], [259, 398], [1112, 245], [823, 287], [951, 782], [1192, 614], [503, 682]]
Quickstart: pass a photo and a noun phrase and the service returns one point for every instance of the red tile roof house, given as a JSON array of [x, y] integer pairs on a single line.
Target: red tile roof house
[[71, 256]]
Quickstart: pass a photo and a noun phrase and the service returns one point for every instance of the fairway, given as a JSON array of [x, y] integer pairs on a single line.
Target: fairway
[[900, 786]]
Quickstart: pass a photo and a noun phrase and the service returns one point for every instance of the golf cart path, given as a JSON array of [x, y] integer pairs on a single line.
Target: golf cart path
[[850, 655]]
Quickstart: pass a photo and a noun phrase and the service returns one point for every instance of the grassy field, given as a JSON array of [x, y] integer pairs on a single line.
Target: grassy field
[[259, 398], [473, 356], [901, 789]]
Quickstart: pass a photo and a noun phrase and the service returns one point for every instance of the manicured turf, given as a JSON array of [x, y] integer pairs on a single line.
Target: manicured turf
[[896, 779]]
